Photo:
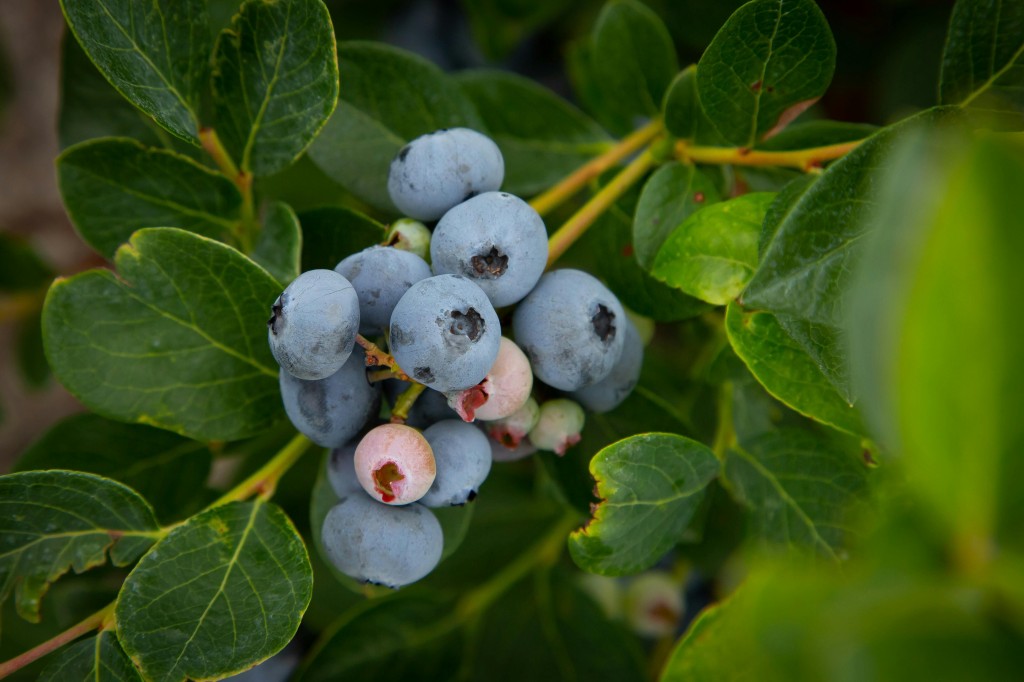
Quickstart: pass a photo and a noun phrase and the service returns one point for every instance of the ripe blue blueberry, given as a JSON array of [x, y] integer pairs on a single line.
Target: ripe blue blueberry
[[381, 275], [463, 460], [445, 333], [382, 544], [441, 169], [570, 327], [608, 393], [497, 240], [341, 471], [333, 410], [313, 324]]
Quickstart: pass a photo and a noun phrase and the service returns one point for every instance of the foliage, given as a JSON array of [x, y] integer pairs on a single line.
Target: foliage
[[826, 432]]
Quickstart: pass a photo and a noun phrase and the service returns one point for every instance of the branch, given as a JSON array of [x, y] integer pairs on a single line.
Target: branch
[[94, 622], [801, 159], [377, 357], [574, 182], [265, 479], [248, 226], [580, 221], [405, 402]]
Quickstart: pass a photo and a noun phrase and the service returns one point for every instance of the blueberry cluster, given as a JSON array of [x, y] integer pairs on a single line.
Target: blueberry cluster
[[449, 364]]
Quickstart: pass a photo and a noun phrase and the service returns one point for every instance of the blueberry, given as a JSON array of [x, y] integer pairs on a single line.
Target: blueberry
[[341, 471], [313, 324], [495, 239], [503, 453], [381, 275], [654, 604], [569, 326], [445, 333], [503, 391], [395, 464], [608, 393], [331, 411], [437, 171], [463, 458], [559, 425], [377, 543]]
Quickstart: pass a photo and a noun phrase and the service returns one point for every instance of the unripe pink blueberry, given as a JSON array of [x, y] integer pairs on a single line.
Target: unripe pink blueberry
[[511, 430], [500, 453], [504, 390], [559, 425], [654, 604], [394, 464]]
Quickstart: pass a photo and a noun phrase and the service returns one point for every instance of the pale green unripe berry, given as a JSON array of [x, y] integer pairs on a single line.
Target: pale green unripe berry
[[409, 235], [511, 430], [654, 604], [559, 425]]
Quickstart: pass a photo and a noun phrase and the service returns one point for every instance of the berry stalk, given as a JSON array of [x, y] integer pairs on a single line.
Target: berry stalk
[[802, 159]]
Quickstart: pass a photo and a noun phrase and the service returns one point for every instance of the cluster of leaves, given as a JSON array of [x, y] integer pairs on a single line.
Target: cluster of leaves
[[833, 297]]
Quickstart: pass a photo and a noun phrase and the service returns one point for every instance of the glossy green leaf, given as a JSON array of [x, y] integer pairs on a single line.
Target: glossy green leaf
[[97, 659], [541, 136], [167, 470], [682, 112], [331, 233], [21, 268], [610, 247], [28, 350], [156, 54], [673, 193], [114, 186], [934, 339], [650, 485], [817, 134], [218, 595], [786, 370], [801, 487], [275, 81], [177, 339], [90, 107], [983, 60], [401, 637], [713, 253], [389, 97], [771, 60], [805, 268], [634, 61], [279, 248], [499, 27], [53, 521], [826, 346]]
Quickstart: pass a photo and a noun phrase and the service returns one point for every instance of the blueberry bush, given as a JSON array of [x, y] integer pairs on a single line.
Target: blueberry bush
[[689, 382]]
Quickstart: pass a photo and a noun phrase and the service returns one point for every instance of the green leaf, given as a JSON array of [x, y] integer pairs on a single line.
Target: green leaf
[[21, 268], [983, 60], [805, 268], [397, 638], [389, 97], [817, 134], [96, 659], [684, 117], [610, 246], [714, 252], [114, 186], [279, 248], [786, 370], [826, 346], [669, 197], [650, 485], [801, 487], [934, 341], [275, 81], [499, 27], [90, 107], [176, 340], [156, 54], [52, 521], [331, 233], [29, 353], [166, 469], [771, 60], [634, 61], [218, 595], [541, 136]]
